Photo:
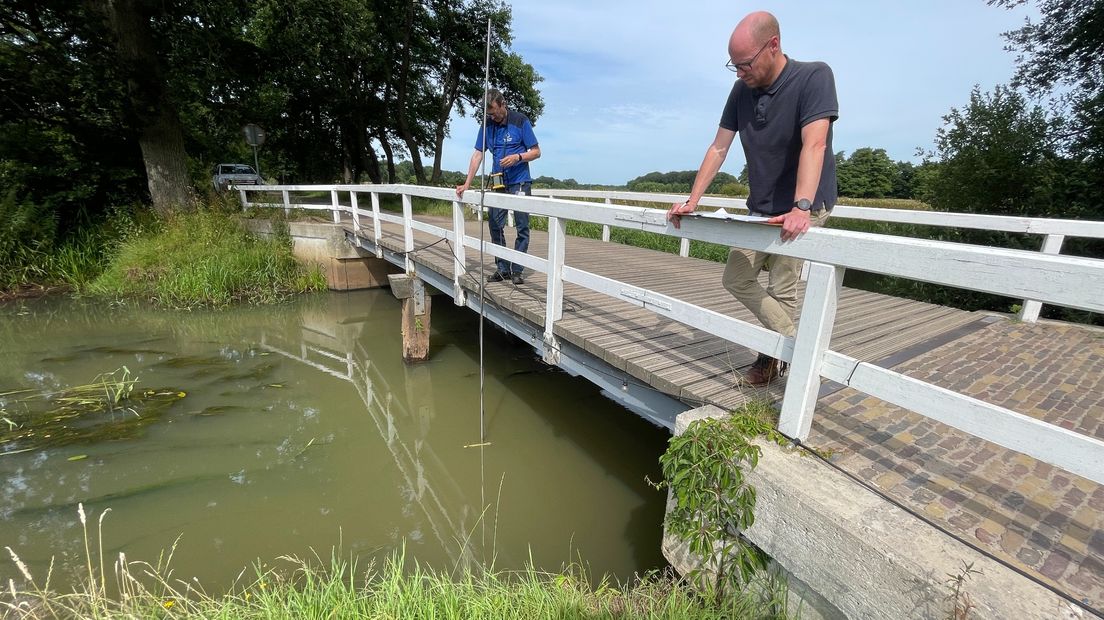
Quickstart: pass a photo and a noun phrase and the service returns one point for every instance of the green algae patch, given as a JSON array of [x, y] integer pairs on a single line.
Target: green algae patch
[[109, 408]]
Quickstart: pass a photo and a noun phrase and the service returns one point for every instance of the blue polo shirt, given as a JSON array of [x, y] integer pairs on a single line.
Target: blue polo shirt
[[769, 122], [513, 137]]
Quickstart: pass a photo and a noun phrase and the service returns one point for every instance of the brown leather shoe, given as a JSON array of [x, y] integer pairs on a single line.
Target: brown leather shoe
[[764, 370]]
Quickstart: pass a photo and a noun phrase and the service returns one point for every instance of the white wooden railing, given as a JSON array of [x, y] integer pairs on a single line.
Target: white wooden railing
[[1063, 280], [1054, 231]]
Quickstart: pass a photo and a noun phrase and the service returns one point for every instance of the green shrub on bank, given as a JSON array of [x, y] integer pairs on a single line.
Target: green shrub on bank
[[205, 259]]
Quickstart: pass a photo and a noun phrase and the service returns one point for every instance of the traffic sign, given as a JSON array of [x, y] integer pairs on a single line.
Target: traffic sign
[[254, 135]]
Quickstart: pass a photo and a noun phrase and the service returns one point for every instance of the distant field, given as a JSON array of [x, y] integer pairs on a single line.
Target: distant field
[[886, 203]]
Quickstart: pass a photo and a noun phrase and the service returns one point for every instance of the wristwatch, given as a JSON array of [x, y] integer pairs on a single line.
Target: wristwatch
[[804, 204]]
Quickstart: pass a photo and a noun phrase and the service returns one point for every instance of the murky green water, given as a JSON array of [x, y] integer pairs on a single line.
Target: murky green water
[[301, 428]]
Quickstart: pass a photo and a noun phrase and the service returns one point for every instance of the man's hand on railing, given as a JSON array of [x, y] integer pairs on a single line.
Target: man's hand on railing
[[794, 224], [677, 210], [460, 189]]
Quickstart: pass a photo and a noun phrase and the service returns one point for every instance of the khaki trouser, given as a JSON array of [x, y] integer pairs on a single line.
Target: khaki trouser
[[774, 306]]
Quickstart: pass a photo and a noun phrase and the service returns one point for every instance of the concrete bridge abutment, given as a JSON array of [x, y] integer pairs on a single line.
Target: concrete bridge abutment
[[346, 267], [851, 553]]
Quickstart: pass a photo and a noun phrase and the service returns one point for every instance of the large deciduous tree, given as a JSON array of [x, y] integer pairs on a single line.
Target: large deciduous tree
[[160, 133], [106, 100], [994, 156], [441, 68], [868, 173], [64, 144], [1065, 49], [364, 80]]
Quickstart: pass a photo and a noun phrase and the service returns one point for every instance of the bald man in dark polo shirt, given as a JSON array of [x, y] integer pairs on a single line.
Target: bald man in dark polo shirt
[[783, 110]]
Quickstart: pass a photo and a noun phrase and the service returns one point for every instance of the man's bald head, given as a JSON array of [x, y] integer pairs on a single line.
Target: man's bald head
[[755, 50], [754, 30]]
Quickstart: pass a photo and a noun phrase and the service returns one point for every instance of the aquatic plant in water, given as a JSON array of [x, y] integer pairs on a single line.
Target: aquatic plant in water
[[109, 408]]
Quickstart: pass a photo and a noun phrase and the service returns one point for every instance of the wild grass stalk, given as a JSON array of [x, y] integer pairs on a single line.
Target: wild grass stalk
[[338, 587]]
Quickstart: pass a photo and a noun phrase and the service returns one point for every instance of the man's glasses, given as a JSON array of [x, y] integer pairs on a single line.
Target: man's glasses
[[745, 66]]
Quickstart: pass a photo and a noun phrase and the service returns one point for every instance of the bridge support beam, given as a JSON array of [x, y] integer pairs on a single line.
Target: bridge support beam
[[415, 316], [352, 274]]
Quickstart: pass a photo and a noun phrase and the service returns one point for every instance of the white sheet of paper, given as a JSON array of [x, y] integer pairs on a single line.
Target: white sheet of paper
[[723, 215]]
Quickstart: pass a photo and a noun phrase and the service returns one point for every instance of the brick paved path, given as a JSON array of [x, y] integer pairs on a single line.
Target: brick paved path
[[1037, 517]]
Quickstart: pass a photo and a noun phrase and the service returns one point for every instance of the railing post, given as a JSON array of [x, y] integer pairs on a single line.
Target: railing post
[[408, 233], [356, 212], [684, 247], [459, 261], [605, 227], [553, 303], [1029, 312], [244, 200], [377, 232], [336, 206], [287, 203], [814, 331]]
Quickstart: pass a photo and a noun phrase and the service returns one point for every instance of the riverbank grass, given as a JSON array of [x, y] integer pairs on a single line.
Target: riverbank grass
[[205, 259], [397, 588]]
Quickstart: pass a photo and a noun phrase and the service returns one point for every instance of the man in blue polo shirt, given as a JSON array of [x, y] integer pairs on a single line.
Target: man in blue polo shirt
[[783, 110], [513, 145]]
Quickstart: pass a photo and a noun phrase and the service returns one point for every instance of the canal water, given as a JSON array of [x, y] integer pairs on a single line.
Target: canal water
[[257, 432]]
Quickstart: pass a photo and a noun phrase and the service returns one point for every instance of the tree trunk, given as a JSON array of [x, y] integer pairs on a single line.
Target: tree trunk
[[389, 154], [366, 160], [161, 135], [162, 143], [371, 162], [347, 156], [444, 110], [401, 115]]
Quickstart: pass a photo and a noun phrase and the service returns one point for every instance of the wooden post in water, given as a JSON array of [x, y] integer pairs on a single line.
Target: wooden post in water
[[415, 316]]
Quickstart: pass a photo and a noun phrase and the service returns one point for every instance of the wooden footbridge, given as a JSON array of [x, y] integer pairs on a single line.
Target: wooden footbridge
[[658, 332]]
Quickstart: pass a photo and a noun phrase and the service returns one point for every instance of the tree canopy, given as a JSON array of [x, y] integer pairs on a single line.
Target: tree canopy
[[679, 181], [868, 173], [113, 101], [1064, 50]]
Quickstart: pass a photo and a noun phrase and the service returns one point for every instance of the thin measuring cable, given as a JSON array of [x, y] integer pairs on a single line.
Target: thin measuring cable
[[483, 281], [482, 195]]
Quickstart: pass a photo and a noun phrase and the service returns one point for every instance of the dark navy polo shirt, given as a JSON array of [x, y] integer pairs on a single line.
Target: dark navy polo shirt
[[769, 123], [513, 137]]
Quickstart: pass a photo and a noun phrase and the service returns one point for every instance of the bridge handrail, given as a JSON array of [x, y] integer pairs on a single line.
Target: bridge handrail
[[1054, 231], [1002, 271], [1065, 280], [1003, 223]]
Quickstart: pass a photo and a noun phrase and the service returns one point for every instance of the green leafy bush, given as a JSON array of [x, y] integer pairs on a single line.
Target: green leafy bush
[[706, 468]]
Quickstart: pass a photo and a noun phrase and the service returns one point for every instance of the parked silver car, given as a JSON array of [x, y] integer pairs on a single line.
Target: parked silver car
[[234, 174]]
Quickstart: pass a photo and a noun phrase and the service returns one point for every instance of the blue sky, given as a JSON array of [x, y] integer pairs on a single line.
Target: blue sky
[[636, 86]]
